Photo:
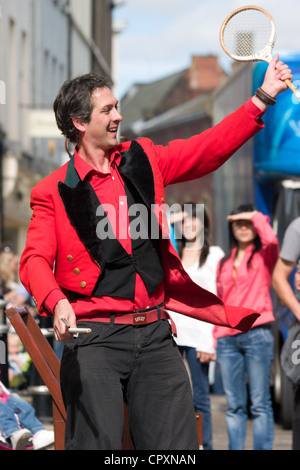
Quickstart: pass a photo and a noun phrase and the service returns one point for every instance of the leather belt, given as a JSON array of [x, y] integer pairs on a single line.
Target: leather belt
[[140, 317]]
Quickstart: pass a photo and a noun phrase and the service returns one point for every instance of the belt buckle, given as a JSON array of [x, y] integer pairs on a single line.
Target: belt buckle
[[140, 318]]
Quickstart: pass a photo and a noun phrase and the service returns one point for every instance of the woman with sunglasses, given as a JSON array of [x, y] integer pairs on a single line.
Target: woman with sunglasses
[[244, 279]]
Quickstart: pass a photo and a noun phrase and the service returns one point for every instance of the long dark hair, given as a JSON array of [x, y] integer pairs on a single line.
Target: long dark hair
[[233, 243], [193, 212]]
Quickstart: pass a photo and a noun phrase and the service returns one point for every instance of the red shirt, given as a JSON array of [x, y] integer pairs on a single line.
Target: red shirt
[[109, 187]]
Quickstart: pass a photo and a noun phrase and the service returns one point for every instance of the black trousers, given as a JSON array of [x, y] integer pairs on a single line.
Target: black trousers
[[138, 364]]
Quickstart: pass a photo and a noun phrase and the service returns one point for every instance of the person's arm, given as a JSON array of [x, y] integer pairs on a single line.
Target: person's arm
[[37, 262], [297, 280], [185, 160], [282, 286], [265, 231], [38, 258]]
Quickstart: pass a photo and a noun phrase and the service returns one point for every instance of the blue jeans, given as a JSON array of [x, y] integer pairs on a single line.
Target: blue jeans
[[247, 357], [200, 385], [26, 415]]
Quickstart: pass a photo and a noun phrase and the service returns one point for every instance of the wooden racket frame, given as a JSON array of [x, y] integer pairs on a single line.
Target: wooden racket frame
[[266, 53]]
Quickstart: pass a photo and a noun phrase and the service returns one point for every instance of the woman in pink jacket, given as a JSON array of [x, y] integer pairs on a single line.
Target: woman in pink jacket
[[244, 279]]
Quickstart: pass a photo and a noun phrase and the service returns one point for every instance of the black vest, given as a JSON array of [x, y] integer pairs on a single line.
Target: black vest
[[85, 212]]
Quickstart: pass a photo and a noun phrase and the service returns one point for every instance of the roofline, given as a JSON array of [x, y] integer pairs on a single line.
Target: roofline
[[162, 121]]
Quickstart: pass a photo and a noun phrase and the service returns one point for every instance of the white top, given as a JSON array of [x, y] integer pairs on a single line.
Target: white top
[[196, 333]]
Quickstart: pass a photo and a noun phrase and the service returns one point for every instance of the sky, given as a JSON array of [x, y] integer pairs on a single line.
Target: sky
[[161, 36]]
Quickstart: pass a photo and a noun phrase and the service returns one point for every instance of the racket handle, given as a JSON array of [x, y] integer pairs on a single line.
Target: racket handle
[[293, 88]]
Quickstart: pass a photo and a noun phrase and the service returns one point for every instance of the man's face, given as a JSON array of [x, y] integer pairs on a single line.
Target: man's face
[[102, 129]]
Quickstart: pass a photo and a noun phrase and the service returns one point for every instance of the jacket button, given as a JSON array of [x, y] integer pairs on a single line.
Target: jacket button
[[76, 270], [70, 258], [83, 284]]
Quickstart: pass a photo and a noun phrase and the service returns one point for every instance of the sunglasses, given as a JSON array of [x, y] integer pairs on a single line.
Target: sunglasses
[[242, 223]]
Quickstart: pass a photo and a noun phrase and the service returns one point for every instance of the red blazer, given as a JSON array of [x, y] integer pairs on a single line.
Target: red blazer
[[56, 244]]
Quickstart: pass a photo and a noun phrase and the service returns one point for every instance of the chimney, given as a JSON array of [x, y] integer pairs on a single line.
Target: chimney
[[205, 73]]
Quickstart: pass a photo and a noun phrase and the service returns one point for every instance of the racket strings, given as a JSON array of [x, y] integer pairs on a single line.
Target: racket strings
[[247, 33]]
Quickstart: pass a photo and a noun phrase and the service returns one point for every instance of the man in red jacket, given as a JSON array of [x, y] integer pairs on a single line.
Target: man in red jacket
[[83, 264]]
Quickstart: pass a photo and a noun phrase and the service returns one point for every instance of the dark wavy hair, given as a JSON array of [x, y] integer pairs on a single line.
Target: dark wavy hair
[[233, 243], [74, 101], [206, 239]]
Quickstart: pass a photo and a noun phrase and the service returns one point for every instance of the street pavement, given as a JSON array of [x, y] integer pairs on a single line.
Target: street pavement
[[282, 437]]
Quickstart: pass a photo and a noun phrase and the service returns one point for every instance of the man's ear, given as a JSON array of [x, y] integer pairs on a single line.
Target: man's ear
[[80, 126]]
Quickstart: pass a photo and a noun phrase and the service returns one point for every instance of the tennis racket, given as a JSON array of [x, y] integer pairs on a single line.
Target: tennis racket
[[248, 34]]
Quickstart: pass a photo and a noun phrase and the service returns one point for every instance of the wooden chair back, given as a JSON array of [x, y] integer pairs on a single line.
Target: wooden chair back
[[46, 363]]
